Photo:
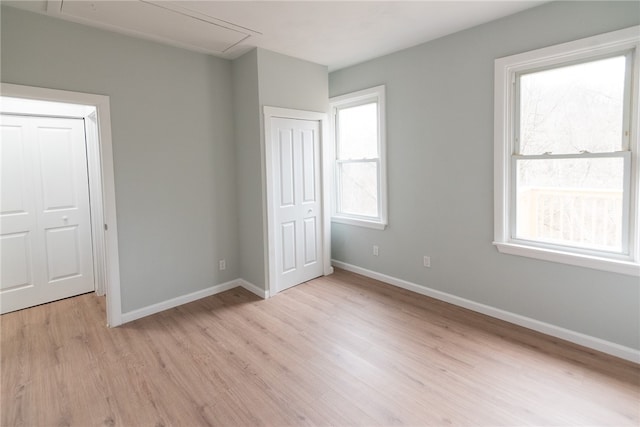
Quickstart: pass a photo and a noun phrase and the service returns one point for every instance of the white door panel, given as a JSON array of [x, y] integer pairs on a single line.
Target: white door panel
[[309, 178], [45, 241], [56, 166], [296, 166], [310, 234], [63, 260], [13, 171], [16, 261], [288, 247]]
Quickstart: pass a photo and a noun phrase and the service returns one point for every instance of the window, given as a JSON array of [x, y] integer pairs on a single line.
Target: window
[[566, 153], [359, 158]]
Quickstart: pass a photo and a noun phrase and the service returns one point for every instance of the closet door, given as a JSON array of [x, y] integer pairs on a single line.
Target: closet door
[[45, 224], [296, 165]]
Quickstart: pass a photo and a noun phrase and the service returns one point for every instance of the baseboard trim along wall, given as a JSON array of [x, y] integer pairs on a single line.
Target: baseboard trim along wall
[[253, 289], [546, 328], [184, 299]]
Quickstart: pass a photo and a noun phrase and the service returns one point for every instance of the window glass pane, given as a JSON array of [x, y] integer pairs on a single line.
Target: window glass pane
[[573, 202], [358, 132], [574, 108], [359, 188]]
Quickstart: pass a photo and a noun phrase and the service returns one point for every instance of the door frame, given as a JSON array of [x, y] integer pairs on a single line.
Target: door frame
[[269, 213], [104, 230]]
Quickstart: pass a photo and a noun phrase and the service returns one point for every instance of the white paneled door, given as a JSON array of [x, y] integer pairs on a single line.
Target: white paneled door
[[296, 177], [45, 230]]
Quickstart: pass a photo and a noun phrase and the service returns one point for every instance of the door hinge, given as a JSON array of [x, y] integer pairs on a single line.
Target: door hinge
[[106, 227]]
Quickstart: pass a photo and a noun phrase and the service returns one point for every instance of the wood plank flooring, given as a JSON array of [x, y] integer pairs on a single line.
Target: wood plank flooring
[[341, 350]]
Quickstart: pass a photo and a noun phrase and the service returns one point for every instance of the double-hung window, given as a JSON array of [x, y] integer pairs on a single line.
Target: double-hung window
[[359, 158], [566, 153]]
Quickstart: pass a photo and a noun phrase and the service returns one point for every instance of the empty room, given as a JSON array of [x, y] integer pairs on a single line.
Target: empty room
[[346, 213]]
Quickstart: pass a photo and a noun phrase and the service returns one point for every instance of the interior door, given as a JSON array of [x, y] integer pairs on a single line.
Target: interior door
[[296, 166], [45, 234]]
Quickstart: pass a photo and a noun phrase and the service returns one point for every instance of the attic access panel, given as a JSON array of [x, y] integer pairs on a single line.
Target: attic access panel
[[163, 23]]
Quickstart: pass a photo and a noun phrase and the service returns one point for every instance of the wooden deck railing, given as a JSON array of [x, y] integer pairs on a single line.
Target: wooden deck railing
[[586, 218]]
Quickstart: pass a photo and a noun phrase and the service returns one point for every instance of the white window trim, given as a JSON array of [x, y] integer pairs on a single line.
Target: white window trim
[[376, 94], [504, 121]]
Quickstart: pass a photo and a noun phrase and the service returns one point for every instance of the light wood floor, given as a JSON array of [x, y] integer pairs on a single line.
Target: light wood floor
[[340, 350]]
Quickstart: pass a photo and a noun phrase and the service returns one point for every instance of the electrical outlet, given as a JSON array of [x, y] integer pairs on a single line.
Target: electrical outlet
[[375, 250], [222, 264], [426, 261]]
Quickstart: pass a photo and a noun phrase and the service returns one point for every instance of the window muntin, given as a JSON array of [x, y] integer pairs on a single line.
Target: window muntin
[[566, 153], [359, 169]]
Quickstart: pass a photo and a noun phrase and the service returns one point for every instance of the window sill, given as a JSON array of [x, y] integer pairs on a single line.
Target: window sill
[[360, 222], [597, 263]]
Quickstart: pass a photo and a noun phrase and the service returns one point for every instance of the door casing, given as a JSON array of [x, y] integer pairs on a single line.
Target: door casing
[[95, 110], [269, 213]]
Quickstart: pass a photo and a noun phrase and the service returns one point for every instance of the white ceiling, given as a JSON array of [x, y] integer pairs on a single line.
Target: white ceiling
[[332, 33]]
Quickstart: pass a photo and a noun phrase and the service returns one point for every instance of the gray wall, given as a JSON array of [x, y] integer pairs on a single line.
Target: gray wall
[[264, 78], [246, 109], [173, 145], [292, 83], [440, 176]]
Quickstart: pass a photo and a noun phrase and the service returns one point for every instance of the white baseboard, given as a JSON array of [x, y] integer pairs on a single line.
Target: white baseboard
[[598, 344], [174, 302], [184, 299], [253, 289]]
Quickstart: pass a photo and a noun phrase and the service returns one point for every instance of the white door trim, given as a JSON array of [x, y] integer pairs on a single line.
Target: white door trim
[[100, 154], [96, 206], [270, 211]]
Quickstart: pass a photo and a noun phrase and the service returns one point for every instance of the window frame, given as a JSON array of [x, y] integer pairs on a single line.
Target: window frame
[[367, 96], [507, 70]]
